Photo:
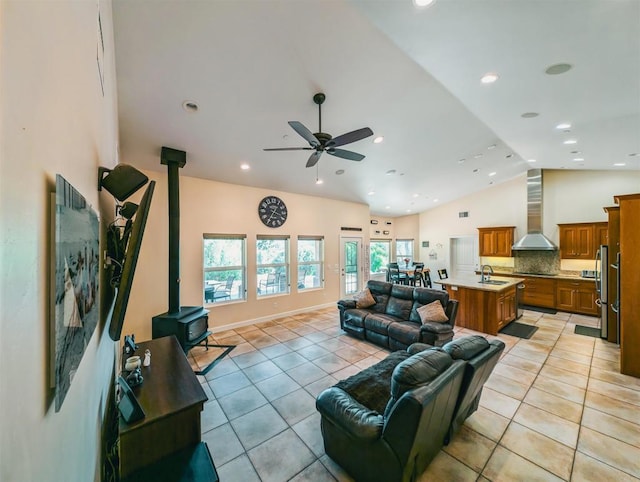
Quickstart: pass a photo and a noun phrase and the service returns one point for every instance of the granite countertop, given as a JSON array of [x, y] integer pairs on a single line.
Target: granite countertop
[[562, 275], [473, 282]]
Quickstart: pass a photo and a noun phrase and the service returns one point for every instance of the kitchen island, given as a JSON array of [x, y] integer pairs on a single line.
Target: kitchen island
[[486, 307]]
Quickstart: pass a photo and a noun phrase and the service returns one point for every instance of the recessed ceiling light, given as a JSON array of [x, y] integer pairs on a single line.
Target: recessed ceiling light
[[575, 152], [489, 78], [492, 174], [387, 207], [570, 141], [390, 171], [564, 125], [416, 195], [435, 200], [508, 156], [190, 106], [339, 172], [319, 181], [529, 115], [408, 210], [423, 3], [620, 164], [477, 156], [476, 170], [492, 146], [578, 159], [245, 167], [461, 161], [558, 69], [633, 154], [371, 193], [378, 140], [531, 160]]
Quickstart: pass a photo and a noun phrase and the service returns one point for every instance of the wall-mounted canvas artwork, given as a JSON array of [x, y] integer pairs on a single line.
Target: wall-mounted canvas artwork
[[76, 299]]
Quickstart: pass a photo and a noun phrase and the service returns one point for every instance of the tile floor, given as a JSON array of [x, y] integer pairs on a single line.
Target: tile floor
[[555, 408]]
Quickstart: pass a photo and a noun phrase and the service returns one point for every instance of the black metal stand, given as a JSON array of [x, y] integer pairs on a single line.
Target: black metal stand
[[208, 368]]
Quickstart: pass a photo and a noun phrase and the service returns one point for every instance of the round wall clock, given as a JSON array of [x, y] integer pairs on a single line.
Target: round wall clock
[[272, 211]]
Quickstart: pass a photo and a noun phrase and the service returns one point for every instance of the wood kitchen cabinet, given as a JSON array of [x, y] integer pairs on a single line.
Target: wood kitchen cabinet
[[576, 297], [539, 292], [581, 240], [613, 240], [496, 241]]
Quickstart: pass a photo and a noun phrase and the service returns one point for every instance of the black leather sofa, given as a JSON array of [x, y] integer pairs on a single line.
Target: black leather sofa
[[393, 321], [390, 420]]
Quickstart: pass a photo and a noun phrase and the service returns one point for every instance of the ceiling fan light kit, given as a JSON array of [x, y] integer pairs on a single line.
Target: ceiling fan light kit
[[322, 142]]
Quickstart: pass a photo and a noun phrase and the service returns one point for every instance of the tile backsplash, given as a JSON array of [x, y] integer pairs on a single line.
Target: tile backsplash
[[537, 262]]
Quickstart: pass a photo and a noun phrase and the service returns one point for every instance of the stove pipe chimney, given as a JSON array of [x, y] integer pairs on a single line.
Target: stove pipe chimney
[[174, 160]]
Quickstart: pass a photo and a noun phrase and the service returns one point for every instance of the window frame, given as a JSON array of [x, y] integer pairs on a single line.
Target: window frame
[[383, 267], [301, 286], [213, 269], [285, 266], [405, 241]]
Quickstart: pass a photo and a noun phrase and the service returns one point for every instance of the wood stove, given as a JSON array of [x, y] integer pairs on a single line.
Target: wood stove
[[189, 324]]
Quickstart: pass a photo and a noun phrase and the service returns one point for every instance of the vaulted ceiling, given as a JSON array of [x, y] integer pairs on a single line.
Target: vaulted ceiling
[[413, 75]]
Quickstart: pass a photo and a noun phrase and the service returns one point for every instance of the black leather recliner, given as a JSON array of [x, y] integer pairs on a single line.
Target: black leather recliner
[[400, 443]]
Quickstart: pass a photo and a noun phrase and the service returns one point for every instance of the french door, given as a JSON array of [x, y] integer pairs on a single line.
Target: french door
[[350, 266]]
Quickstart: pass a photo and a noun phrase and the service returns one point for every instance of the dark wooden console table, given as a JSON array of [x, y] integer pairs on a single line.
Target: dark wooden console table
[[172, 400]]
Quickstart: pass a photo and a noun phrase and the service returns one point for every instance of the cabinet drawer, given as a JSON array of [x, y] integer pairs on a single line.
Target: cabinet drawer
[[546, 300]]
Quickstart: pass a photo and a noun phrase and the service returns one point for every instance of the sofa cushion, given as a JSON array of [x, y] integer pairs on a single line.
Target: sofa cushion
[[400, 302], [381, 291], [371, 386], [364, 299], [406, 332], [355, 317], [466, 348], [421, 368], [379, 322], [424, 296], [432, 312]]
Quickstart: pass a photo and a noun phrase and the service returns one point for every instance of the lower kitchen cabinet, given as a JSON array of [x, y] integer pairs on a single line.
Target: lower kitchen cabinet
[[576, 297], [539, 292]]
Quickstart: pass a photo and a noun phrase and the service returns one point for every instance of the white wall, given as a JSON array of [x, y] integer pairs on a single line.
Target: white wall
[[568, 197], [54, 120], [215, 207]]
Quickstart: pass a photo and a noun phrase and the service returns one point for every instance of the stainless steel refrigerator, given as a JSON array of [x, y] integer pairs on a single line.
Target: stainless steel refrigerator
[[602, 287]]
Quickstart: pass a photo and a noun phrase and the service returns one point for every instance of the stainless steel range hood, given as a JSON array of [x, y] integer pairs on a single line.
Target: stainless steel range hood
[[534, 240]]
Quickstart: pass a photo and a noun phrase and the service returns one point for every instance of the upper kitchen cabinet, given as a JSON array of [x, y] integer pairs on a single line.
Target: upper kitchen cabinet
[[496, 241], [581, 240]]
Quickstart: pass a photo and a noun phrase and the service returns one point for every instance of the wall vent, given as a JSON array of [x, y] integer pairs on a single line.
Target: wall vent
[[463, 214], [346, 228]]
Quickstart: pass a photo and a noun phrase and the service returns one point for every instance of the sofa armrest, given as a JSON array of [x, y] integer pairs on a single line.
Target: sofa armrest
[[417, 348], [344, 411], [346, 304]]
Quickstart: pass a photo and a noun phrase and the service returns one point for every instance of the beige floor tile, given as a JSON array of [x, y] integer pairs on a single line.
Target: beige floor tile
[[521, 363], [579, 348], [548, 424], [565, 376], [499, 403], [618, 454], [445, 467], [617, 408], [555, 387], [539, 449], [522, 376], [612, 390], [613, 426], [506, 386], [470, 448], [487, 423], [572, 366], [613, 366], [506, 466], [607, 355], [616, 378], [561, 407], [572, 356], [528, 353], [588, 469]]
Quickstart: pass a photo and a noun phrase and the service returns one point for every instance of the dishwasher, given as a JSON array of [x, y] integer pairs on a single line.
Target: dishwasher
[[519, 298]]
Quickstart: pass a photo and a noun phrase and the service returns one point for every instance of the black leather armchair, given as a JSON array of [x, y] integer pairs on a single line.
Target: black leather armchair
[[399, 444]]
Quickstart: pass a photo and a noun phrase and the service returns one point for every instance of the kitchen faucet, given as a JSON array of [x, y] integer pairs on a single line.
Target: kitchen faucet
[[484, 278]]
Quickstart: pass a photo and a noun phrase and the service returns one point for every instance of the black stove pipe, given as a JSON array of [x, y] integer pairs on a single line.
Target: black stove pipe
[[174, 160]]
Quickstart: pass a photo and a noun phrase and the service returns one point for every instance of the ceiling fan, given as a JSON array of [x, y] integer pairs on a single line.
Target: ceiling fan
[[322, 142]]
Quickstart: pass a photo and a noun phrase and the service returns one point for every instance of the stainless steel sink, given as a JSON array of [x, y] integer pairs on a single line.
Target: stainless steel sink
[[493, 282]]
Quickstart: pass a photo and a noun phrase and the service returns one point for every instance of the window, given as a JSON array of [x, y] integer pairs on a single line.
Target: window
[[380, 254], [404, 251], [272, 263], [224, 268], [310, 262]]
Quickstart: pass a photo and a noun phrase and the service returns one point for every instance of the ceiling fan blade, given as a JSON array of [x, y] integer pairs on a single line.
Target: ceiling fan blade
[[313, 160], [350, 137], [289, 149], [352, 156], [304, 132]]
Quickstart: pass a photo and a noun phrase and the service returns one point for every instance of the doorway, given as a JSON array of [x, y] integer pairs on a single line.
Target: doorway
[[464, 256], [350, 266]]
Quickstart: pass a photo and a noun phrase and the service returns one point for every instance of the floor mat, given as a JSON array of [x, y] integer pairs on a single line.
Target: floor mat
[[521, 330], [539, 309], [587, 331]]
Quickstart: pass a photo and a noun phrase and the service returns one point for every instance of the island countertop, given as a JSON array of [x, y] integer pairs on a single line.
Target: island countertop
[[473, 282]]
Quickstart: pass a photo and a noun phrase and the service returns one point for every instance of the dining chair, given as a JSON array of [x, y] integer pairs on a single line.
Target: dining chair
[[223, 291], [270, 282], [415, 279], [395, 276]]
